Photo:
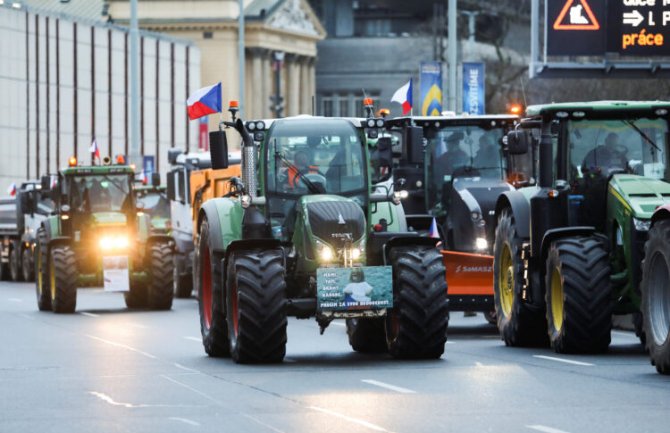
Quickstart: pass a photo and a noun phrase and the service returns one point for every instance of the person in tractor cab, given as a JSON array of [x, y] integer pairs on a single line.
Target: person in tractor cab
[[452, 159], [605, 158], [301, 166], [487, 159]]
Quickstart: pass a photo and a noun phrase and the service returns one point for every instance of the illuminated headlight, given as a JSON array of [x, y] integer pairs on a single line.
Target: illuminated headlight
[[642, 225], [481, 243], [326, 253], [398, 196], [356, 253], [113, 242]]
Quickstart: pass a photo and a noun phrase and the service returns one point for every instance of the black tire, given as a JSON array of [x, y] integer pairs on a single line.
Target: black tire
[[207, 273], [160, 291], [15, 262], [416, 326], [367, 335], [579, 295], [137, 297], [27, 265], [256, 306], [638, 325], [518, 325], [63, 279], [491, 317], [183, 284], [42, 272], [656, 295]]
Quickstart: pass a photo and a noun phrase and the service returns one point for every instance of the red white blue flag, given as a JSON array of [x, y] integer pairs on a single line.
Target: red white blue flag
[[11, 190], [433, 230], [94, 149], [204, 102], [403, 96]]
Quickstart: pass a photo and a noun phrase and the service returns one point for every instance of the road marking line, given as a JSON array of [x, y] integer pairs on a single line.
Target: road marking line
[[190, 388], [478, 364], [348, 418], [176, 364], [123, 346], [567, 361], [256, 420], [545, 429], [338, 323], [15, 299], [110, 400], [83, 313], [185, 421], [388, 386], [199, 340]]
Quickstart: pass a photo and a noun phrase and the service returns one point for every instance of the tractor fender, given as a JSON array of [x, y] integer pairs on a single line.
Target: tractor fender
[[520, 207], [407, 240], [224, 217], [51, 227], [161, 238], [661, 213], [58, 240]]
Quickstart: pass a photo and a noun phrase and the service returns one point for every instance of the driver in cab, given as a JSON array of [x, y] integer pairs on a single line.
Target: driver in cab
[[301, 166], [605, 158]]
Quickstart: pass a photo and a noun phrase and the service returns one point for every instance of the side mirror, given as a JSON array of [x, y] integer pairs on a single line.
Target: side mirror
[[45, 183], [218, 149], [155, 179], [517, 142], [414, 145], [381, 160], [171, 186], [173, 154]]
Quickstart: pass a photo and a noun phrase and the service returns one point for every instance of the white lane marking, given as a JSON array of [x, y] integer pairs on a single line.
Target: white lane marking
[[567, 361], [15, 300], [478, 364], [348, 418], [123, 346], [190, 388], [178, 365], [338, 323], [257, 421], [545, 429], [199, 340], [107, 399], [185, 421], [83, 313], [388, 386]]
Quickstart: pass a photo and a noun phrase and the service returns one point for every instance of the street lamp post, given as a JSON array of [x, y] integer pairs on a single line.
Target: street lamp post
[[241, 55], [134, 148]]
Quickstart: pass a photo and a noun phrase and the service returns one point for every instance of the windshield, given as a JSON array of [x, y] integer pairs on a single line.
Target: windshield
[[100, 193], [315, 157], [634, 146], [155, 204]]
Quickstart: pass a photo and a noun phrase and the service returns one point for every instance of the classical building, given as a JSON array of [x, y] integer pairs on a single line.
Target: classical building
[[272, 26]]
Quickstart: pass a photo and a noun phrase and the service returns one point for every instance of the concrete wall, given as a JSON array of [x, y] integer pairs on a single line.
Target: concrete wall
[[64, 83]]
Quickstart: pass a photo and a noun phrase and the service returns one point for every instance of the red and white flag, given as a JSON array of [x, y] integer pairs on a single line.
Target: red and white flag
[[11, 190], [94, 149], [403, 96]]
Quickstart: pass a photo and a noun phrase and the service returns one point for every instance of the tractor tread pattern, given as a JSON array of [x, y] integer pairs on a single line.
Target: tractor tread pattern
[[585, 270], [65, 277], [262, 306], [161, 292], [43, 294], [420, 301]]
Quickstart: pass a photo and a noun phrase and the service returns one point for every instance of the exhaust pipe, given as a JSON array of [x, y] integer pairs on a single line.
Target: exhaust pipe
[[248, 159]]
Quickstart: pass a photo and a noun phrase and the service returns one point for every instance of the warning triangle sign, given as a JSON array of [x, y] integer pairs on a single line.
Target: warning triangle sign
[[576, 15]]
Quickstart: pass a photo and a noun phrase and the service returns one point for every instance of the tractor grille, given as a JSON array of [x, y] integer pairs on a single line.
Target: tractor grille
[[326, 218]]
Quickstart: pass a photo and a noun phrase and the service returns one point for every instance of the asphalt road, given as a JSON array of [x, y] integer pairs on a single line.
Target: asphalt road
[[106, 369]]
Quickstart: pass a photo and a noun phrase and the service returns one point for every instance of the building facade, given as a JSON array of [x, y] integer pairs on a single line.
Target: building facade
[[65, 84]]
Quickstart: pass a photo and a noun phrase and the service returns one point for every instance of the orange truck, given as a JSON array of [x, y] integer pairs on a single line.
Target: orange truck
[[454, 168]]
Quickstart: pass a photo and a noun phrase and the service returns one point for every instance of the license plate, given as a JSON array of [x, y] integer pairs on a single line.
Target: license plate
[[354, 289], [115, 273]]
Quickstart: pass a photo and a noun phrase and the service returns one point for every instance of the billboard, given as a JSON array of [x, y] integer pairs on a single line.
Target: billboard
[[431, 89], [474, 88]]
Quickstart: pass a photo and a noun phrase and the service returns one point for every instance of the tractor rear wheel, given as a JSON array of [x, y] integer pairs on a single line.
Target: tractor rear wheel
[[578, 295], [42, 289], [161, 284], [137, 296], [367, 335], [15, 262], [416, 326], [207, 273], [27, 265], [256, 306], [656, 295], [517, 324], [63, 279], [183, 284]]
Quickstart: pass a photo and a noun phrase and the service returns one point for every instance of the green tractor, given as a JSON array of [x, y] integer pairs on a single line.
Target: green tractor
[[314, 229], [98, 237], [153, 200], [568, 252]]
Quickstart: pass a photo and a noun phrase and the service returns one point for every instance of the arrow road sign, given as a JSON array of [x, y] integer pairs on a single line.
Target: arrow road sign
[[634, 18]]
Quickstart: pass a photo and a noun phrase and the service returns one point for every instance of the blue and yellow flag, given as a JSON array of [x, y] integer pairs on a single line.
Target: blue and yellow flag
[[431, 89]]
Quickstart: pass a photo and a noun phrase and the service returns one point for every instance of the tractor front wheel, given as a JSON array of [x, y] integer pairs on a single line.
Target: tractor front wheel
[[578, 295], [416, 326], [183, 284], [63, 279], [517, 324], [207, 273], [42, 289], [256, 306], [656, 295], [15, 261], [27, 265], [367, 335], [160, 291]]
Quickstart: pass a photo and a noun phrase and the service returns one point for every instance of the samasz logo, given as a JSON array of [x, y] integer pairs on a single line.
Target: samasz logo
[[462, 269]]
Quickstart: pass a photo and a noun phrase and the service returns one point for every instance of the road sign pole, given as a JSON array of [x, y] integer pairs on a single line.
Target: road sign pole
[[534, 36], [452, 55], [134, 148], [241, 55]]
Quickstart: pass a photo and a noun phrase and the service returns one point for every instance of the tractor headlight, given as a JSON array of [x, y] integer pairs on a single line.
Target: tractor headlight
[[118, 242], [356, 253], [642, 225], [326, 253], [481, 244]]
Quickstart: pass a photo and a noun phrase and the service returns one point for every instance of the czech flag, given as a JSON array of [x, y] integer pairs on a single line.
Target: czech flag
[[433, 230], [204, 102], [144, 178], [403, 96], [11, 190], [94, 149]]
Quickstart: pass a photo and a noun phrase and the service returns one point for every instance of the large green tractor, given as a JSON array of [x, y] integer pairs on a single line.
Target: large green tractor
[[568, 251], [97, 237], [153, 200], [314, 229]]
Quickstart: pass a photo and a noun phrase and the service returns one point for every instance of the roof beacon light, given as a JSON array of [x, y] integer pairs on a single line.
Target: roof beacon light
[[72, 162], [120, 159], [233, 108], [384, 112]]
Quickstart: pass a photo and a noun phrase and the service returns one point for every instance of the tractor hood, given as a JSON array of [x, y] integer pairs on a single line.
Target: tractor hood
[[334, 219], [641, 195], [480, 194], [108, 219]]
